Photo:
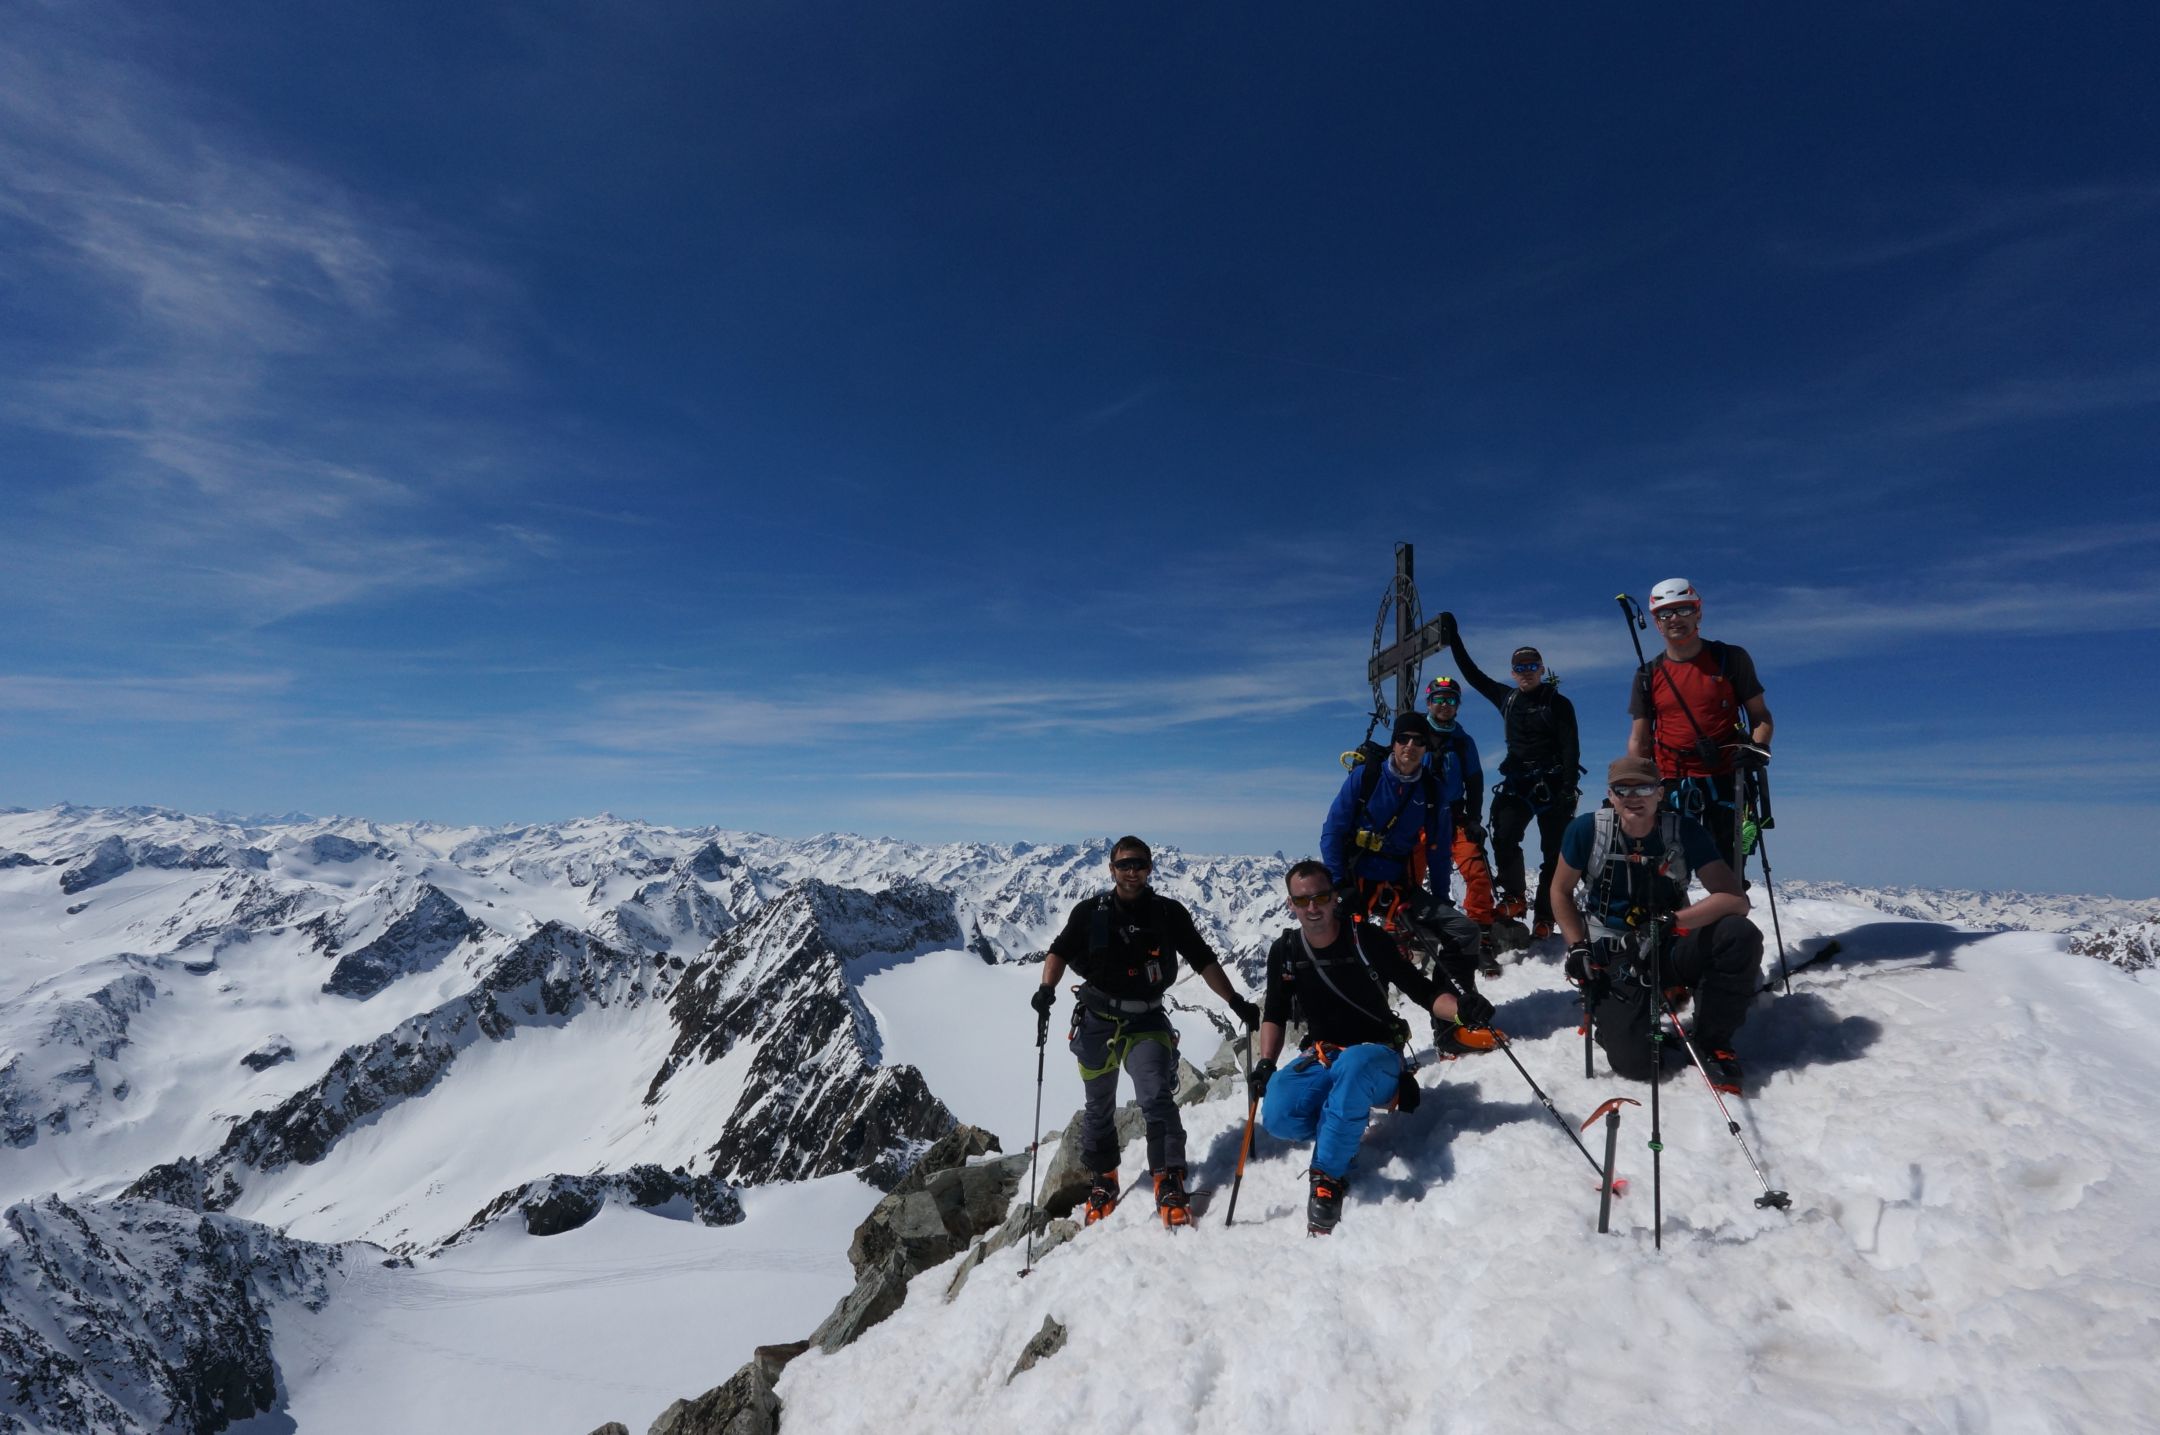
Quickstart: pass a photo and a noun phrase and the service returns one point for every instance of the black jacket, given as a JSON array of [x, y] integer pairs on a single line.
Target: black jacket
[[1136, 957], [1359, 1012], [1539, 724]]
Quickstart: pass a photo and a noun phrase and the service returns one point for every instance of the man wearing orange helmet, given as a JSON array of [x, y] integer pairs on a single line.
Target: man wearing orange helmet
[[1699, 709]]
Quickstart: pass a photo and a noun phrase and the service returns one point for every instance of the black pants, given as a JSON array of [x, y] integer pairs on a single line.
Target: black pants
[[1512, 815], [1720, 965]]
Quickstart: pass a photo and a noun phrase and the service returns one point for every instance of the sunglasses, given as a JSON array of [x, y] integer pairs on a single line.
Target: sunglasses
[[1412, 739], [1637, 789], [1446, 702], [1303, 900], [1133, 864], [1529, 667], [1674, 615]]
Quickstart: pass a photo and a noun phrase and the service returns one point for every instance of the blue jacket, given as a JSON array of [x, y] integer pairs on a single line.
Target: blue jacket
[[1462, 771], [1390, 795]]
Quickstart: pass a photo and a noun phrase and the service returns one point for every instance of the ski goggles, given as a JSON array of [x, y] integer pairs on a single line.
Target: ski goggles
[[1637, 789], [1133, 864], [1443, 700], [1304, 900]]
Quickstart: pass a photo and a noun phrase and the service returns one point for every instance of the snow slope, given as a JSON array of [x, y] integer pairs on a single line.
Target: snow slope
[[1961, 1120]]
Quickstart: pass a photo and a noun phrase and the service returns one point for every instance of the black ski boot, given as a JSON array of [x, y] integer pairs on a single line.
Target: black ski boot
[[1323, 1208]]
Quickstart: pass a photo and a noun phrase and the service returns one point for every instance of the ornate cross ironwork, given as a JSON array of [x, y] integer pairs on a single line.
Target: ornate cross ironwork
[[1415, 640]]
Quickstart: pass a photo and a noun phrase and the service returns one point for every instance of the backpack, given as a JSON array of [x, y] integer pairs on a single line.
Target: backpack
[[1649, 681], [1604, 838], [1367, 761]]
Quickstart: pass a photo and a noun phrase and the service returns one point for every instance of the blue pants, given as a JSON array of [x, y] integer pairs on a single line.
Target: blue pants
[[1307, 1100]]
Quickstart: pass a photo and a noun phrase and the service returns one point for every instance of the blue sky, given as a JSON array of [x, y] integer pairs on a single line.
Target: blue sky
[[996, 421]]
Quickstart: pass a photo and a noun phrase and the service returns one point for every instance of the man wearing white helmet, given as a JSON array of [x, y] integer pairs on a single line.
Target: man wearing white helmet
[[1694, 705]]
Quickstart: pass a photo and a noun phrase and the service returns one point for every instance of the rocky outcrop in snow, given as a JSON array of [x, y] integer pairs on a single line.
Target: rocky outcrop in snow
[[813, 1099], [545, 979], [2133, 946], [116, 855], [555, 1204], [134, 1317], [63, 1071], [428, 929]]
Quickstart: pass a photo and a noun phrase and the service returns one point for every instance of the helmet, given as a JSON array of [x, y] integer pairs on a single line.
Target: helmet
[[1672, 593], [1442, 688]]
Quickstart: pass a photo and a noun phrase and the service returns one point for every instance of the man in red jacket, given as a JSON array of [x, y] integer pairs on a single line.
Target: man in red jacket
[[1695, 705]]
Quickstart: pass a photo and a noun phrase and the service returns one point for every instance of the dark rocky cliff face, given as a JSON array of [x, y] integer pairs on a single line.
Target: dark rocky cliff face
[[129, 1316], [428, 930], [813, 1100]]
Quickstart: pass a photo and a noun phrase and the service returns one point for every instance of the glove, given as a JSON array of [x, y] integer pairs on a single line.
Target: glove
[[1256, 1084], [1472, 1009], [1585, 971], [1448, 635], [1472, 832], [1044, 1000], [1246, 1012]]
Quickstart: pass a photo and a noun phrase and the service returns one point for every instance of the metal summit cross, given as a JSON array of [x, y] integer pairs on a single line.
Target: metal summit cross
[[1414, 640]]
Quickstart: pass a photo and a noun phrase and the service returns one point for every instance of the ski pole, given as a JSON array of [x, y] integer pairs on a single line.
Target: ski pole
[[1758, 805], [1500, 1040], [1042, 1048], [1774, 1200], [1252, 1109], [1657, 1082]]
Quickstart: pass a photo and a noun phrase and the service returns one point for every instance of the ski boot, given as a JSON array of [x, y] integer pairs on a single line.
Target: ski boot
[[1488, 952], [1323, 1208], [1725, 1073], [1171, 1201], [1101, 1197]]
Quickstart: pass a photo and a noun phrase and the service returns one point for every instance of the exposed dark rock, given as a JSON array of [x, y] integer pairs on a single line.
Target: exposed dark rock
[[421, 936], [11, 858], [1045, 1343], [116, 855], [543, 980], [555, 1204], [879, 1291], [814, 1100], [941, 1205], [329, 847], [745, 1405], [182, 1183], [134, 1316], [613, 1427], [66, 1074], [1065, 1177], [273, 1050]]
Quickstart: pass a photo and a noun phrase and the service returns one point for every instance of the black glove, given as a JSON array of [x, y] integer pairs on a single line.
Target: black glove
[[1448, 635], [1246, 1012], [1044, 1000], [1256, 1084], [1472, 1009], [1472, 831], [1585, 971]]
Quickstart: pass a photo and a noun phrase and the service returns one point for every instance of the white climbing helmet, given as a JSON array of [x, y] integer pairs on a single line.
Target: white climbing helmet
[[1673, 593]]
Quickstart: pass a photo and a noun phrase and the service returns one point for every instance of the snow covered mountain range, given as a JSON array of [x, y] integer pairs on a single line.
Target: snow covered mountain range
[[281, 1098]]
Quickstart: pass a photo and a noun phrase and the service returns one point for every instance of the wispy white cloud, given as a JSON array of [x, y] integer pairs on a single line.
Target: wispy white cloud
[[195, 698], [215, 320]]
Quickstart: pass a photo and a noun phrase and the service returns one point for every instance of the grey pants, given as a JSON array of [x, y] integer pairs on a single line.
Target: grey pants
[[1146, 1046]]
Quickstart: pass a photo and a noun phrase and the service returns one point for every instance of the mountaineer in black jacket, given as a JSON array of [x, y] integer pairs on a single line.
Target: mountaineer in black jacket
[[1538, 777]]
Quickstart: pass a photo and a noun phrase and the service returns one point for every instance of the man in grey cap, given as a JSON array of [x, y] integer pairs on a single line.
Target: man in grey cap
[[1633, 860]]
